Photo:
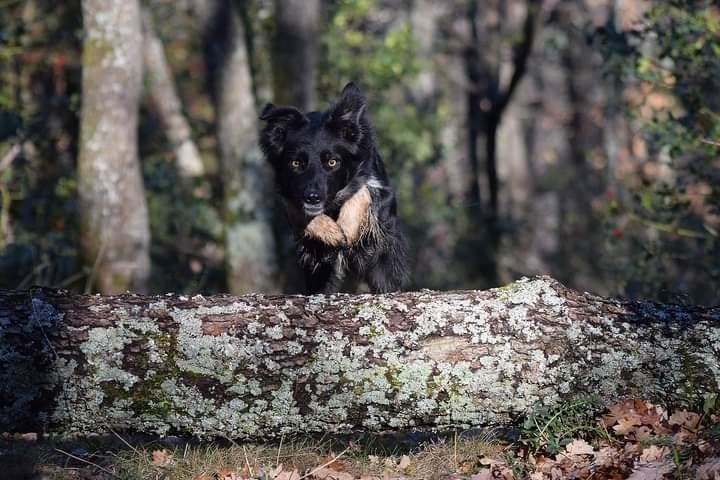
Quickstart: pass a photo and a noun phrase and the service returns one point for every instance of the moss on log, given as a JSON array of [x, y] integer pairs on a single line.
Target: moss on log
[[258, 366]]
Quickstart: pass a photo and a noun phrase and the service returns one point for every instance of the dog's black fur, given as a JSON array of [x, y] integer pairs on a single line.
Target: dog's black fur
[[301, 148]]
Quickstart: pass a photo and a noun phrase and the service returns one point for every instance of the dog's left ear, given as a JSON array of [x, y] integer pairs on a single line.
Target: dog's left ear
[[347, 113]]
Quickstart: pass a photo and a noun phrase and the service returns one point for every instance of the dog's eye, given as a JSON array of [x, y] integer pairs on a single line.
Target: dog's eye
[[332, 163], [295, 164]]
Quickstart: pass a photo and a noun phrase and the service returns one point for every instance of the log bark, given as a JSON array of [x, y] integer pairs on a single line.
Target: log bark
[[258, 366]]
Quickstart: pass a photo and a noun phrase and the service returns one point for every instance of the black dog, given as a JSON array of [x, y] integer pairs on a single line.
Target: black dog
[[336, 192]]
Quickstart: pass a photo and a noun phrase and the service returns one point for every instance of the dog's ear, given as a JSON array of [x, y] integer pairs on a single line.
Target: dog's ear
[[280, 120], [345, 116]]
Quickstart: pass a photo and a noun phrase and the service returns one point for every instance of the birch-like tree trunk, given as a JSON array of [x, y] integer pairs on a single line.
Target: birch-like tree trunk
[[166, 101], [268, 365], [295, 52], [115, 233], [251, 256]]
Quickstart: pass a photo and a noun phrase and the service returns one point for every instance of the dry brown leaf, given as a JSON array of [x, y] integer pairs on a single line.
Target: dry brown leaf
[[404, 462], [227, 474], [710, 470], [203, 476], [643, 432], [161, 458], [287, 475], [331, 474], [465, 467], [606, 455], [333, 463], [536, 476], [651, 471], [684, 419], [485, 474], [579, 447], [627, 425], [654, 453]]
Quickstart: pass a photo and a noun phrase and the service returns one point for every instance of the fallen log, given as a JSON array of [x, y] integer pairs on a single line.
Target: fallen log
[[257, 365]]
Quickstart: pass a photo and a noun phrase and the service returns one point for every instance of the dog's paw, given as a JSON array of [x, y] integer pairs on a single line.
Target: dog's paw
[[354, 213], [325, 230]]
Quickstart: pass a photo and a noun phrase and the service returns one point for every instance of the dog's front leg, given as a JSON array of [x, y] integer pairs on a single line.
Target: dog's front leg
[[324, 229], [354, 213], [349, 225]]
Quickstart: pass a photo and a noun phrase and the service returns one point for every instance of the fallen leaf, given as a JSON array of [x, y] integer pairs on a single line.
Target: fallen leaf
[[710, 470], [651, 471], [161, 458], [653, 453], [485, 474], [465, 467], [404, 462], [287, 475], [627, 425], [331, 474], [227, 474], [202, 476], [684, 419], [579, 447], [333, 463]]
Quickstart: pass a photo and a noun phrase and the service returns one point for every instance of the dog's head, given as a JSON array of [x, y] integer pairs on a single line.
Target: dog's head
[[316, 154]]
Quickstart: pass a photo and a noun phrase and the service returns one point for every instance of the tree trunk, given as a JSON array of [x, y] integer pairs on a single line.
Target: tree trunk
[[269, 365], [166, 101], [115, 234], [295, 52], [249, 239]]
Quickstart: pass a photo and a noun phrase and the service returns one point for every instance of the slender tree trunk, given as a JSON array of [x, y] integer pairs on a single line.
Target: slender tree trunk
[[251, 255], [295, 52], [270, 365], [166, 101], [115, 235]]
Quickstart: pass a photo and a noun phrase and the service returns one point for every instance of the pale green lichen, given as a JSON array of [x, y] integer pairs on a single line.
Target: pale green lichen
[[397, 376]]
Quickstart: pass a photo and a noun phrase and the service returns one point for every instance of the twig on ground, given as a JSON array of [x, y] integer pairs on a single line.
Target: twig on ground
[[332, 460], [87, 462]]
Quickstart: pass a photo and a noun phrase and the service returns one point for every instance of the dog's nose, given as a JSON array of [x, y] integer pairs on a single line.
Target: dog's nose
[[313, 198]]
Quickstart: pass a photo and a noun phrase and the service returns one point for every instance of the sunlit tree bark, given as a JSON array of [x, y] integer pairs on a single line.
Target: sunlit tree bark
[[115, 235], [166, 101]]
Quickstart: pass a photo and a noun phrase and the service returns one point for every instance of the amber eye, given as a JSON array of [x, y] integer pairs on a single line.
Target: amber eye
[[295, 164], [332, 162]]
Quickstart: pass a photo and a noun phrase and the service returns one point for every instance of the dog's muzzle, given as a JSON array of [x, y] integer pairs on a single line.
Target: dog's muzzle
[[313, 209]]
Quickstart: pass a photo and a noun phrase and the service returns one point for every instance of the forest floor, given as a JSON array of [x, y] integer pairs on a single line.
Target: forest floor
[[579, 440]]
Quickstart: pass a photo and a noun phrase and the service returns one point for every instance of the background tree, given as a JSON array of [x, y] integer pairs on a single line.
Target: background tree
[[603, 201], [295, 52], [250, 251], [115, 236], [164, 97]]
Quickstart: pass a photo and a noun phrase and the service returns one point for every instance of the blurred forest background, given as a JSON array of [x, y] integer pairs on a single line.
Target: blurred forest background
[[575, 138]]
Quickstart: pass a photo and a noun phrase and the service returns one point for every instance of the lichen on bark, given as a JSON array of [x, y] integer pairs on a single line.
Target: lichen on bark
[[267, 365]]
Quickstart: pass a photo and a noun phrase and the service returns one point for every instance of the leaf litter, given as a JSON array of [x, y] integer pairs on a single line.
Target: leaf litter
[[632, 439]]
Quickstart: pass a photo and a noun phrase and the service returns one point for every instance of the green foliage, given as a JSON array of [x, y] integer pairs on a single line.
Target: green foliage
[[670, 222], [551, 429]]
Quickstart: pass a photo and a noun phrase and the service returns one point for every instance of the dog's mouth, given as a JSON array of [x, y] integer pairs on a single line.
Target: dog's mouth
[[313, 210]]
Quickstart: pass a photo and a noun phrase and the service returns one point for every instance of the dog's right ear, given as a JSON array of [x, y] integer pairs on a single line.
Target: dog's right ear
[[280, 120]]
